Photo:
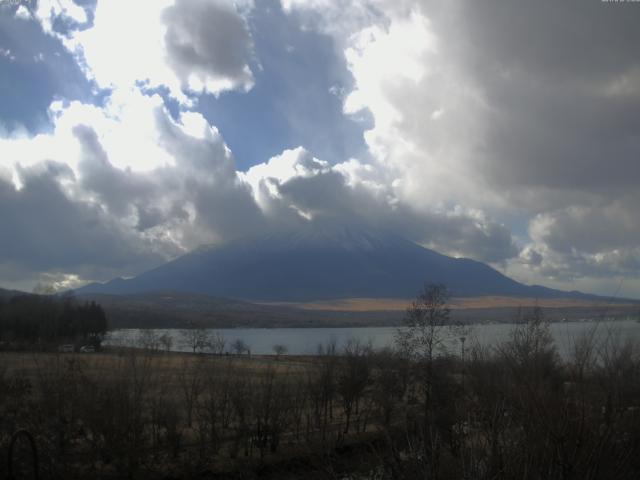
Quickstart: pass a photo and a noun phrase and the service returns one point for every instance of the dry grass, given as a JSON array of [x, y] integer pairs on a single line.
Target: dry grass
[[104, 364]]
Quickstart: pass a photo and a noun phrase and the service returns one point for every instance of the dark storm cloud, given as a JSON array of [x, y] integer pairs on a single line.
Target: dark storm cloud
[[562, 81], [589, 230], [327, 194], [124, 192], [117, 189], [209, 40], [206, 169], [45, 229], [559, 120]]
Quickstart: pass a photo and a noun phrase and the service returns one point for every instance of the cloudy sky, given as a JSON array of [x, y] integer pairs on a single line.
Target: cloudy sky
[[508, 132]]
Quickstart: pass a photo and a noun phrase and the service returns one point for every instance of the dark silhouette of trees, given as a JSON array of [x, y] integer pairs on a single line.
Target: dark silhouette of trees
[[44, 319]]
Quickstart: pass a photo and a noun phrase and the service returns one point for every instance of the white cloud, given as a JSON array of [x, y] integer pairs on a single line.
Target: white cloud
[[48, 11], [381, 57], [201, 46], [428, 118], [126, 126], [6, 53], [23, 13], [125, 45], [289, 164]]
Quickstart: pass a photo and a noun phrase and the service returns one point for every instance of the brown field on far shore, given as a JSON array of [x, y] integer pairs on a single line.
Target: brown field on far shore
[[460, 303]]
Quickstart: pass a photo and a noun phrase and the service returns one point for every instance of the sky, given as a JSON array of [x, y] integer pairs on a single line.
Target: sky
[[506, 132]]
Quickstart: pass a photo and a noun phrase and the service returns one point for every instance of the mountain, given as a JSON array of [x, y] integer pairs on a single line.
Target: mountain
[[320, 262]]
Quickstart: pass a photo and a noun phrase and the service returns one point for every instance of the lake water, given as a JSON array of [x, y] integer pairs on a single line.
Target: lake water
[[305, 341]]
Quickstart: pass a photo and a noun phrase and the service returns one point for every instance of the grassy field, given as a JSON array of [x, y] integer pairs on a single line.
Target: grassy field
[[168, 364], [169, 411]]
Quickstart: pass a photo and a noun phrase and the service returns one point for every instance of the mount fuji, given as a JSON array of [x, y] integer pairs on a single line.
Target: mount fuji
[[322, 262]]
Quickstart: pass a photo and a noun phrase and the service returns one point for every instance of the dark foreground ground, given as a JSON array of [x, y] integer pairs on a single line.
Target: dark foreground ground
[[513, 411]]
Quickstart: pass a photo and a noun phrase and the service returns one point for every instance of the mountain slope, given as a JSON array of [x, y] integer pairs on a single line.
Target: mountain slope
[[327, 262]]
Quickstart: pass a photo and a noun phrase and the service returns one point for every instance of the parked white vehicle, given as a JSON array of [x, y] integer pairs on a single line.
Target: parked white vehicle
[[87, 349], [65, 348]]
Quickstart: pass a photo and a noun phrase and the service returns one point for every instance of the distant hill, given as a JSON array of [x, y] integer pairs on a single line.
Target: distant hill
[[6, 294], [178, 309], [320, 263]]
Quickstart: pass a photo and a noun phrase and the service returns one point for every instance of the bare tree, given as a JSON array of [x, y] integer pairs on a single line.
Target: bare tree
[[239, 346], [215, 406], [427, 329], [531, 340], [196, 338], [280, 349], [148, 340], [217, 343], [166, 341], [191, 381], [426, 324], [325, 384], [353, 377], [390, 383]]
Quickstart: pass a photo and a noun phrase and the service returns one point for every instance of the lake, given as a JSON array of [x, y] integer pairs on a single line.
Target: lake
[[305, 341]]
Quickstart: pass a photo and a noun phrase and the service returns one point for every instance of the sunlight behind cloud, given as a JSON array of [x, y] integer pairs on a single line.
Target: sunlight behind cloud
[[143, 43]]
